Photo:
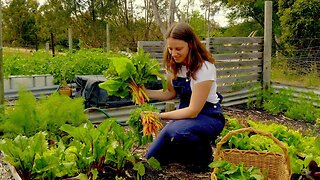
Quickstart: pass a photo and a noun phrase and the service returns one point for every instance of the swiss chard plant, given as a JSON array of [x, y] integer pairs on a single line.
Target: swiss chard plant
[[129, 76], [33, 159], [107, 149], [22, 152], [84, 151], [90, 146]]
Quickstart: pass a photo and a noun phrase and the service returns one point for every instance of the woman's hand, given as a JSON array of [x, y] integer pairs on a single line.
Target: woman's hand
[[161, 94], [148, 114]]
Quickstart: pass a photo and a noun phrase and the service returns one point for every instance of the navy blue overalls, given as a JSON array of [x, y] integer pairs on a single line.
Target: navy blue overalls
[[189, 140]]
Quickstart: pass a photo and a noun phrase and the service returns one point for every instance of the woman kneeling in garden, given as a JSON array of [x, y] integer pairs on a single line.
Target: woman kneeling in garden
[[191, 75]]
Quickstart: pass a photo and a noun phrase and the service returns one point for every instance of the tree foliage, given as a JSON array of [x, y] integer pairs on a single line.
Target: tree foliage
[[20, 22], [27, 23], [243, 29], [300, 21], [292, 19], [200, 25]]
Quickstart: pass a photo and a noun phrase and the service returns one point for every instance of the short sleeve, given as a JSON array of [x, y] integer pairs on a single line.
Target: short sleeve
[[206, 72]]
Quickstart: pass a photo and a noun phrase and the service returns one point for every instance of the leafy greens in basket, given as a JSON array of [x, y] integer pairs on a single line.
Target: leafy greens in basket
[[127, 76]]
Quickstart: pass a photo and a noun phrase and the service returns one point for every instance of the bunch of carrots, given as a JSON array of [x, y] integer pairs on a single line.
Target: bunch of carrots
[[151, 123]]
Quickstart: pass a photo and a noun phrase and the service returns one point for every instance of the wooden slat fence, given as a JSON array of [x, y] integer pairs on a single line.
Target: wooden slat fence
[[239, 64]]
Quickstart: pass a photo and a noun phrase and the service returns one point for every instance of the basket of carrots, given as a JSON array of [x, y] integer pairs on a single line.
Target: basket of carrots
[[276, 166]]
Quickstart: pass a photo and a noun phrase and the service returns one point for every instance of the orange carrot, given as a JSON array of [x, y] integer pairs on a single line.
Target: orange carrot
[[151, 123]]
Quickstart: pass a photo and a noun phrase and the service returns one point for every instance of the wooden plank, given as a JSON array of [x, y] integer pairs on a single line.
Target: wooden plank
[[238, 97], [240, 48], [150, 49], [150, 43], [232, 88], [235, 93], [240, 92], [267, 44], [237, 79], [207, 43], [232, 103], [235, 40], [156, 54], [252, 55], [239, 71], [233, 64]]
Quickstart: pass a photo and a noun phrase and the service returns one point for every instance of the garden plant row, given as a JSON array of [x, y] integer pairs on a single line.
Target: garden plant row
[[64, 67], [45, 142]]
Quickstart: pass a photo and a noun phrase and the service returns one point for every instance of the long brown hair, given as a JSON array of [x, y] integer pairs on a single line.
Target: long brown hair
[[197, 51]]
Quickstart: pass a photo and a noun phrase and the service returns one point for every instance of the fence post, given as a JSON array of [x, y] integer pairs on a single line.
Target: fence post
[[52, 43], [1, 66], [107, 38], [267, 44], [70, 39], [208, 44], [139, 46], [47, 47]]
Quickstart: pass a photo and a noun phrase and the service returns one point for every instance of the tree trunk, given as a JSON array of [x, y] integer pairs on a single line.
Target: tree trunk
[[126, 12], [52, 44], [158, 18], [172, 9], [93, 11]]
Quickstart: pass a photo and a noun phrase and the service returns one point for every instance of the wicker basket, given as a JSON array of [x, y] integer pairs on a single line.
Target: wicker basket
[[275, 164]]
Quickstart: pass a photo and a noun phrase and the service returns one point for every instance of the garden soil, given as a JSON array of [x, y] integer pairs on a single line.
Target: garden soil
[[178, 172]]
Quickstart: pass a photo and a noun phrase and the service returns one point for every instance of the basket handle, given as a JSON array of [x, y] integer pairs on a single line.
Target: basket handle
[[249, 129]]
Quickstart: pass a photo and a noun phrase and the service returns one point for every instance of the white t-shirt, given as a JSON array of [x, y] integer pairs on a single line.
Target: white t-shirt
[[206, 72]]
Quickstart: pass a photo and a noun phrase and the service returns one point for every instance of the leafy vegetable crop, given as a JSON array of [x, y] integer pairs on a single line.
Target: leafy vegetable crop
[[127, 76], [227, 170], [302, 149], [63, 67]]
